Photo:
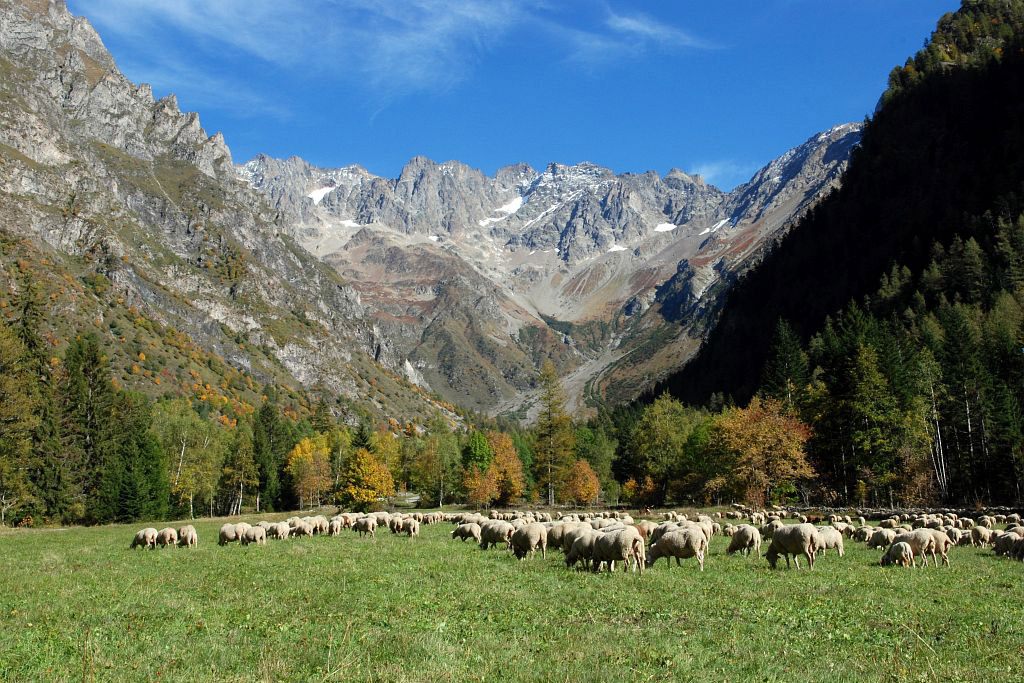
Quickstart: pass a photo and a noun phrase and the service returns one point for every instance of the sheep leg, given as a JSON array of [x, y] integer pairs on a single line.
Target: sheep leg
[[700, 560], [810, 560]]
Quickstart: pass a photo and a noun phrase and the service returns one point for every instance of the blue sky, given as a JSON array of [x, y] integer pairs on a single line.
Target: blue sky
[[718, 88]]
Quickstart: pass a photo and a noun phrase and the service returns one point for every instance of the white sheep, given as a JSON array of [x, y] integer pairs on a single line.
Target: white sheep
[[795, 540], [254, 534], [527, 539], [466, 531], [899, 554], [167, 537], [188, 537], [683, 543], [745, 538], [366, 525], [624, 545], [227, 534], [145, 538]]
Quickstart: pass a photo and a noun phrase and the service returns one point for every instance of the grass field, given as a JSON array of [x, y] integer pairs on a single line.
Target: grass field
[[78, 605]]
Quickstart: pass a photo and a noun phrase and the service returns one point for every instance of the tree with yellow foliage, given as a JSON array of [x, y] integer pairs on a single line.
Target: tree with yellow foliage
[[366, 480], [506, 469], [581, 485], [309, 464], [481, 485], [763, 448]]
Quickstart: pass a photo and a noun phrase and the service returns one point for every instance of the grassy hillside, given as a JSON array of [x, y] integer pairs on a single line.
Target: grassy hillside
[[80, 605]]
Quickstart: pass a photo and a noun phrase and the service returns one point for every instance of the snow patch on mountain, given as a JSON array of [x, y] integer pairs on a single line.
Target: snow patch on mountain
[[664, 227], [318, 195]]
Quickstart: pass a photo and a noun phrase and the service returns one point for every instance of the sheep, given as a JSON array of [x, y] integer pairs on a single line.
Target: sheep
[[828, 538], [683, 543], [981, 536], [334, 527], [746, 538], [145, 538], [795, 540], [920, 541], [302, 529], [254, 534], [942, 544], [582, 549], [465, 531], [646, 527], [624, 544], [411, 527], [240, 528], [768, 530], [167, 537], [395, 524], [187, 536], [882, 538], [366, 525], [495, 532], [570, 536], [900, 554], [526, 540], [227, 534], [279, 531], [1003, 543]]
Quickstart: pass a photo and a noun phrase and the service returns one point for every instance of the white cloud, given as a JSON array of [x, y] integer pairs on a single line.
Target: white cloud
[[642, 28], [726, 173], [390, 48]]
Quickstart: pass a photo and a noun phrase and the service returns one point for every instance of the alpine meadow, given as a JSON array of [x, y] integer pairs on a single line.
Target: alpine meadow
[[294, 419]]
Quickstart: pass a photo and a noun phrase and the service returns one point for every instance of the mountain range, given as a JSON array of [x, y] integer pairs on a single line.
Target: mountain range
[[402, 296]]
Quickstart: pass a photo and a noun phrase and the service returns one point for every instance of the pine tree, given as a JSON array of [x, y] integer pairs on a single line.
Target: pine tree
[[785, 374], [269, 447], [18, 422], [553, 452], [88, 403], [49, 477]]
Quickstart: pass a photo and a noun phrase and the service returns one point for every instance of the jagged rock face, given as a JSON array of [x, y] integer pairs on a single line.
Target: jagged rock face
[[576, 244], [95, 169]]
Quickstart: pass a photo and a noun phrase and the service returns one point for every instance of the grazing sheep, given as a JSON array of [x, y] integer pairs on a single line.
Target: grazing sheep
[[582, 549], [167, 537], [829, 538], [187, 536], [882, 538], [411, 527], [395, 524], [496, 532], [942, 545], [145, 538], [279, 531], [625, 545], [981, 536], [683, 543], [302, 529], [920, 541], [227, 534], [900, 554], [795, 540], [334, 527], [241, 528], [646, 527], [254, 534], [746, 538], [526, 540], [465, 531], [366, 525]]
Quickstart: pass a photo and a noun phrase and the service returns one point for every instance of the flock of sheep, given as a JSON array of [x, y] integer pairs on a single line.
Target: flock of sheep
[[598, 540]]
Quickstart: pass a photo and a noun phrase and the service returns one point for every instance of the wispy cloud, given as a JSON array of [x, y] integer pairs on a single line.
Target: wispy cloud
[[644, 29], [390, 49], [726, 173]]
